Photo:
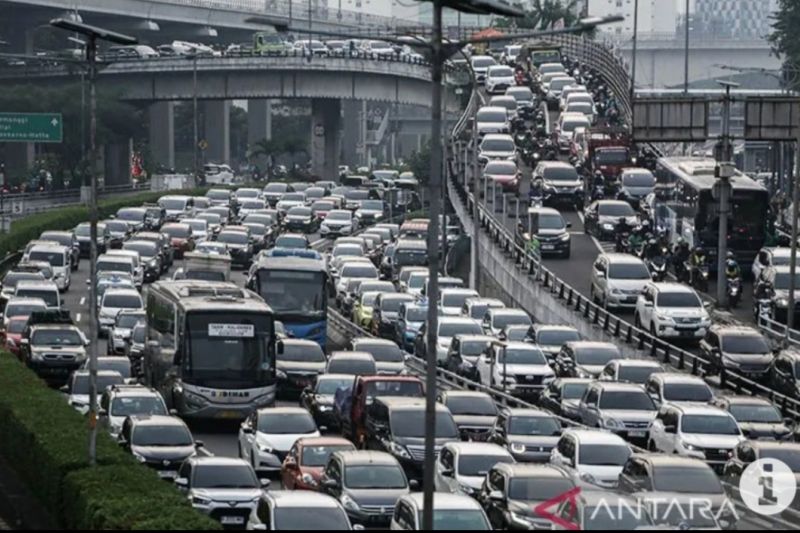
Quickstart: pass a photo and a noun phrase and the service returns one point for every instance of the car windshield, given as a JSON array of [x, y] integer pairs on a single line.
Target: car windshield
[[604, 454], [233, 237], [116, 364], [498, 145], [246, 193], [615, 516], [321, 206], [117, 226], [55, 258], [359, 270], [216, 194], [678, 299], [568, 126], [580, 107], [347, 250], [251, 204], [173, 204], [534, 426], [471, 405], [392, 305], [411, 424], [596, 355], [382, 353], [133, 215], [305, 353], [177, 231], [483, 62], [687, 392], [686, 480], [57, 337], [299, 212], [709, 425], [451, 329], [374, 476], [551, 222], [500, 72], [744, 344], [607, 209], [317, 456], [211, 218], [295, 518], [224, 476], [330, 386], [455, 299], [556, 337], [368, 298], [537, 488], [560, 174], [611, 156], [256, 229], [626, 400], [501, 319], [19, 309], [145, 249], [290, 241], [504, 168], [137, 405], [520, 94], [573, 391], [372, 205], [115, 266], [356, 194], [416, 314], [789, 456], [767, 414], [412, 257], [198, 226], [84, 230], [17, 325], [276, 187], [636, 373], [472, 348], [457, 520], [628, 271], [521, 356], [166, 435], [490, 115], [80, 383], [339, 215], [138, 335], [684, 516], [285, 423], [347, 365], [479, 465], [638, 179], [12, 278], [50, 297], [122, 301]]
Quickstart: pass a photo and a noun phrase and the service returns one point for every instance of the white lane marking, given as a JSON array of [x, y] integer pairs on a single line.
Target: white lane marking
[[78, 317], [83, 300], [597, 243]]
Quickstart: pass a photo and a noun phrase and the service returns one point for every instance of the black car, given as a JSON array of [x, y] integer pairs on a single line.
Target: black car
[[160, 442], [784, 373], [300, 218], [758, 418], [601, 218], [563, 396], [474, 412], [462, 357], [385, 313], [318, 398], [239, 246], [297, 364], [529, 435], [512, 492], [743, 350]]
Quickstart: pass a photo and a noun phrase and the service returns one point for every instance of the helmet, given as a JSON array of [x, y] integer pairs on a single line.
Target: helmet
[[730, 257], [681, 241], [731, 263], [699, 250], [645, 224], [651, 242]]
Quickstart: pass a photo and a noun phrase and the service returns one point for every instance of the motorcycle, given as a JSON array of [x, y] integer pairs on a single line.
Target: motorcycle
[[658, 266], [733, 289], [698, 277], [622, 238], [598, 193]]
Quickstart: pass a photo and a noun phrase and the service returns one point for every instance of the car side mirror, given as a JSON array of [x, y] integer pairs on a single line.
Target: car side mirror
[[102, 412], [199, 444], [670, 429], [447, 473], [264, 483], [182, 482], [329, 483], [413, 485], [64, 389], [788, 421], [25, 342], [648, 303], [247, 429], [358, 527], [496, 496]]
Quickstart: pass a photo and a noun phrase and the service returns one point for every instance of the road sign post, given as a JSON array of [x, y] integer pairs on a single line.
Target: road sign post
[[31, 127]]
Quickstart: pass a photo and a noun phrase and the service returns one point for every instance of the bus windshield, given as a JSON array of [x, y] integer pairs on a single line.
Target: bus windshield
[[228, 350], [293, 293]]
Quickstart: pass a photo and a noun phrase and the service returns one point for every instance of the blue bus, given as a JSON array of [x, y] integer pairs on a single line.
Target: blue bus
[[296, 288], [685, 207]]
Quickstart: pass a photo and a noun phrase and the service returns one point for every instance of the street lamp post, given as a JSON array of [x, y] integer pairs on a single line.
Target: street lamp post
[[93, 34], [196, 141]]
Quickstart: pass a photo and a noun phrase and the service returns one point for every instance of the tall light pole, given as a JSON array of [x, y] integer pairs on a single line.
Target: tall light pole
[[725, 170], [196, 139], [633, 58], [93, 34], [686, 52]]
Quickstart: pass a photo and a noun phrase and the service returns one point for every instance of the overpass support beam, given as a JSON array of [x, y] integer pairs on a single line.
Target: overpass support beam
[[217, 131], [259, 120], [350, 132], [325, 132], [162, 133]]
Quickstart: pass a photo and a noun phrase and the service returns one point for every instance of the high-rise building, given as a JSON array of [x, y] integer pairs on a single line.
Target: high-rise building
[[655, 16], [734, 19]]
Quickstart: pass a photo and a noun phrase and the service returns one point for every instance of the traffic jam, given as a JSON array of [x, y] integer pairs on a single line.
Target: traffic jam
[[218, 310]]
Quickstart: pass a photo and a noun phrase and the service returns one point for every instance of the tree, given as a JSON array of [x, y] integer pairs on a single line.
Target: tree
[[420, 163], [785, 39], [543, 15]]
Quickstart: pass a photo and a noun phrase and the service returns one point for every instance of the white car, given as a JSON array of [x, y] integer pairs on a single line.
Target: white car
[[199, 228], [675, 388], [59, 258], [699, 431], [568, 123], [267, 435], [77, 389], [672, 310], [251, 205], [452, 300], [449, 327], [496, 319], [499, 78], [519, 368], [338, 222], [556, 85], [135, 259], [114, 301], [617, 280], [45, 290], [455, 512], [496, 146], [570, 90], [480, 64], [492, 120], [621, 408], [462, 466], [598, 457], [630, 370]]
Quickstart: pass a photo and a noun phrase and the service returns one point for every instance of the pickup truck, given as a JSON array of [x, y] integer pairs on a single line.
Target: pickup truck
[[350, 403]]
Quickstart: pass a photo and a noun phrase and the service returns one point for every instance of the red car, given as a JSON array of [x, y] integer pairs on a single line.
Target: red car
[[11, 336], [305, 462], [504, 173], [180, 237]]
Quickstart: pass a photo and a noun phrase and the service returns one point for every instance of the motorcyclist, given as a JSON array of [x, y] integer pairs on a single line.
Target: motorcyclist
[[622, 226], [536, 193], [697, 260], [646, 230], [636, 239], [732, 270], [651, 249], [681, 254], [599, 181]]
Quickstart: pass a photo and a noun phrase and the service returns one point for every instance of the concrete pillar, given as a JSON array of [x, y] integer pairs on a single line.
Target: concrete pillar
[[162, 133], [116, 163], [325, 126], [259, 120], [350, 132], [17, 157], [217, 130]]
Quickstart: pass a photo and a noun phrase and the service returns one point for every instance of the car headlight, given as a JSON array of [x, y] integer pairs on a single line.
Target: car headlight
[[349, 503], [663, 317], [616, 291], [264, 448], [523, 521], [199, 500], [691, 447], [139, 457], [325, 408], [587, 477], [280, 373], [194, 399], [308, 479], [613, 423], [564, 237], [399, 450], [516, 447], [608, 227]]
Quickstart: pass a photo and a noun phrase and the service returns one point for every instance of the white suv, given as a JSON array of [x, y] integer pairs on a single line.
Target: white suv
[[499, 78], [519, 368], [597, 456], [672, 310], [700, 431], [618, 280]]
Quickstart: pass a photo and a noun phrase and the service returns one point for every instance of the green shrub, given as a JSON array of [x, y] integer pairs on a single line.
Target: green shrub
[[46, 442]]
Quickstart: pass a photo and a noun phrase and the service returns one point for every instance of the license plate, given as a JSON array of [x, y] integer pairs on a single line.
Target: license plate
[[167, 474], [686, 333], [232, 520], [229, 414], [636, 434], [548, 247]]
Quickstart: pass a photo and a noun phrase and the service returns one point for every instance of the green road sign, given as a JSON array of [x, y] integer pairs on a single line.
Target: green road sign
[[31, 127]]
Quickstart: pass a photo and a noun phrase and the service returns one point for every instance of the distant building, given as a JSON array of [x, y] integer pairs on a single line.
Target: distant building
[[734, 19], [655, 16]]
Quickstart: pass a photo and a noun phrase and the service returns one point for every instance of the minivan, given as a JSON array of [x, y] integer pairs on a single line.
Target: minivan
[[46, 290], [59, 258]]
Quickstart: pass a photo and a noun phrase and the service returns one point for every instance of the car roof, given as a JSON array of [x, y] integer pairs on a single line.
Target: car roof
[[476, 448], [746, 400], [527, 411], [366, 457], [623, 258], [729, 329], [544, 211], [445, 500], [217, 460], [540, 470], [700, 409], [373, 340], [555, 164], [669, 286], [121, 290], [342, 354], [464, 394], [636, 362], [593, 436], [286, 410], [499, 136], [618, 386], [157, 420], [301, 499], [775, 445], [675, 377], [36, 284], [661, 459], [591, 344]]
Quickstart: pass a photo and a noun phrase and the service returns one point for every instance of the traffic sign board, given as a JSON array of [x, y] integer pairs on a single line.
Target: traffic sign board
[[18, 207], [31, 127]]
